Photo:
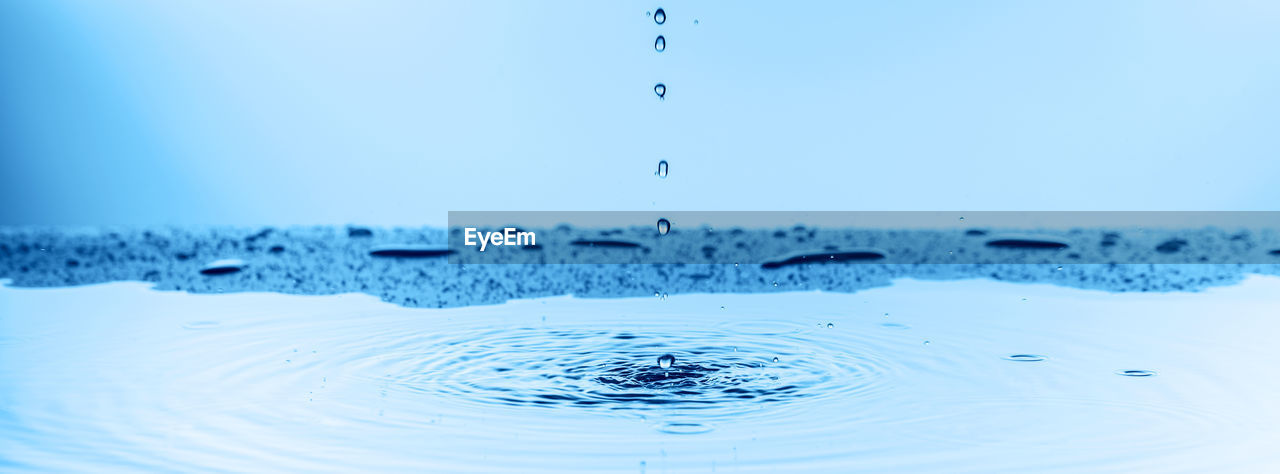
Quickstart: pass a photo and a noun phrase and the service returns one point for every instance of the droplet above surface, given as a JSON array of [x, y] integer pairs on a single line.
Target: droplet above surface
[[661, 90], [666, 361], [660, 16], [660, 44], [664, 226], [662, 169]]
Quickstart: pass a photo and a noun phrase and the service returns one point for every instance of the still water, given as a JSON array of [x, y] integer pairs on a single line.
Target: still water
[[969, 375]]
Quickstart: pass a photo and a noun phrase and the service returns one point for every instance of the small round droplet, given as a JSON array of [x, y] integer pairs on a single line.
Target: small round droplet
[[775, 360], [660, 16], [831, 325], [660, 89], [1025, 358], [1137, 373], [666, 361], [664, 226], [660, 44], [662, 169], [926, 343], [695, 22]]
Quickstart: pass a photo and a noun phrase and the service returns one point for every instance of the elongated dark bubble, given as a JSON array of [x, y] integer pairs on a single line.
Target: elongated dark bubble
[[664, 226], [662, 169], [410, 251], [660, 16], [222, 267], [1025, 358], [660, 44], [661, 90], [826, 257], [604, 243], [1026, 243]]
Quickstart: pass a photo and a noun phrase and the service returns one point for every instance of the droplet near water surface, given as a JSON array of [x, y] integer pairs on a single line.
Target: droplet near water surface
[[661, 90], [666, 360], [662, 169], [664, 226], [660, 44], [660, 16], [1137, 373]]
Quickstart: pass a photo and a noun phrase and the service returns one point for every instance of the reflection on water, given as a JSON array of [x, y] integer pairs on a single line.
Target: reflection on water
[[1014, 377]]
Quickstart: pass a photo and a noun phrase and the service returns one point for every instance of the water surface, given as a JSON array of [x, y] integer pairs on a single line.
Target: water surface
[[917, 376]]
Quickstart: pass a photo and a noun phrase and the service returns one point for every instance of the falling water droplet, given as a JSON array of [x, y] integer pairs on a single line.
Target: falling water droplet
[[775, 359], [662, 169], [831, 325], [666, 361], [661, 90], [660, 16], [660, 44], [664, 226]]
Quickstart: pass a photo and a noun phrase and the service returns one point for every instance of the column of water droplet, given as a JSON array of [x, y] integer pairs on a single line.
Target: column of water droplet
[[660, 89]]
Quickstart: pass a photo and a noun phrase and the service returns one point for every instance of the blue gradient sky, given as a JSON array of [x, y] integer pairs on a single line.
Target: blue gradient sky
[[394, 112]]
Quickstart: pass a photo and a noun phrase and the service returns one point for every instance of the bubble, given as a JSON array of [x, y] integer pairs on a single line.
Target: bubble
[[223, 267], [660, 44], [1025, 358], [661, 90], [1137, 373], [775, 359], [664, 226], [666, 361], [662, 169], [660, 16]]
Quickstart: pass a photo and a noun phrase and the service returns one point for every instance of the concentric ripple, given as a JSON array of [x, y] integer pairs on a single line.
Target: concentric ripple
[[725, 372]]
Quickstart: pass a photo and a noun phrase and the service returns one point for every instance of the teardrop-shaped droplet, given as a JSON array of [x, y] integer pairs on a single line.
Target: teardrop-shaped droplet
[[660, 16], [660, 44], [775, 359], [661, 90], [664, 226], [666, 361], [662, 169]]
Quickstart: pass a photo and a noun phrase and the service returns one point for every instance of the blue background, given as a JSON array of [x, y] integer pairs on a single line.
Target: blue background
[[394, 112]]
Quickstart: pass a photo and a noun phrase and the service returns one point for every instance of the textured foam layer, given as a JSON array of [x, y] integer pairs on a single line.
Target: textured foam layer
[[410, 266]]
